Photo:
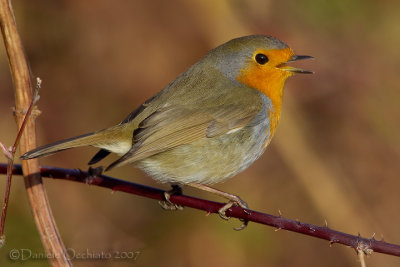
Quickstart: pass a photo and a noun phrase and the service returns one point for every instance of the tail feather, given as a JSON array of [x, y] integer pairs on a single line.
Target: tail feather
[[117, 139], [82, 140]]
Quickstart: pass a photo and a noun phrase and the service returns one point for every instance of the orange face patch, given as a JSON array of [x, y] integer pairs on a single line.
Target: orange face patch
[[268, 79]]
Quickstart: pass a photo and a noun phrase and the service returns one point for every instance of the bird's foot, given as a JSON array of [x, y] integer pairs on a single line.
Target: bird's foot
[[93, 172], [167, 204], [234, 201]]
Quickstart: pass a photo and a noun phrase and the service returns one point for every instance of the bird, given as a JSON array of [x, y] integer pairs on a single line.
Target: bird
[[209, 124]]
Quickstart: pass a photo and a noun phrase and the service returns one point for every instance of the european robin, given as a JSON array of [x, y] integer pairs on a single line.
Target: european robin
[[212, 122]]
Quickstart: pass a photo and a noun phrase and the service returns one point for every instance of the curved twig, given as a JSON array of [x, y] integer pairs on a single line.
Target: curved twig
[[360, 244], [10, 154]]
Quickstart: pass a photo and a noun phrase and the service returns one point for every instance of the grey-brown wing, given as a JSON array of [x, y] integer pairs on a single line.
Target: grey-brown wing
[[176, 125]]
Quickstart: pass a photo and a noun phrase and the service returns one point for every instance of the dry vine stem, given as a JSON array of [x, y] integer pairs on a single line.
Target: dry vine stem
[[23, 94]]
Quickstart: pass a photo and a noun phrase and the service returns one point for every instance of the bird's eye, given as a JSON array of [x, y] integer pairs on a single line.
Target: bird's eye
[[261, 59]]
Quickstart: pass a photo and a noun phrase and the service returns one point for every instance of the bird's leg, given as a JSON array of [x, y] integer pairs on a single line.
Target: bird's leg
[[167, 204], [92, 173], [233, 200]]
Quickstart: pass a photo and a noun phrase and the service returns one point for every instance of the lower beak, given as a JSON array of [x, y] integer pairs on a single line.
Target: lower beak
[[284, 67]]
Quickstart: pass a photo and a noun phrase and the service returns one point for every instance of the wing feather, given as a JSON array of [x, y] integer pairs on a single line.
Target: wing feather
[[172, 126]]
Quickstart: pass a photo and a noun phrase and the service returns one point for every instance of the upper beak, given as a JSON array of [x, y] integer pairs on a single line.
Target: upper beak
[[283, 66]]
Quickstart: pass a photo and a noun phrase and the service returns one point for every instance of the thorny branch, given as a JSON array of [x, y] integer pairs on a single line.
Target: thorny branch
[[360, 244]]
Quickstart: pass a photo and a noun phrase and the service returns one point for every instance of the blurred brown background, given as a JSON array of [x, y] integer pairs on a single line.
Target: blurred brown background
[[335, 155]]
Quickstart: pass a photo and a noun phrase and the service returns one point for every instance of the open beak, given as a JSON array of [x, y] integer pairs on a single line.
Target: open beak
[[285, 67]]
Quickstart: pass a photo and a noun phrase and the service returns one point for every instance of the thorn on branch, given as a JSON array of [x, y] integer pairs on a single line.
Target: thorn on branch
[[333, 241], [373, 237]]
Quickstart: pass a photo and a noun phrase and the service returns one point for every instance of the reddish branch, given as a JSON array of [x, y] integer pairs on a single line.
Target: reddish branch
[[366, 245]]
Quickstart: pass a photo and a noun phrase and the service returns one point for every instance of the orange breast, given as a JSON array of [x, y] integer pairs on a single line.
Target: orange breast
[[269, 80]]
